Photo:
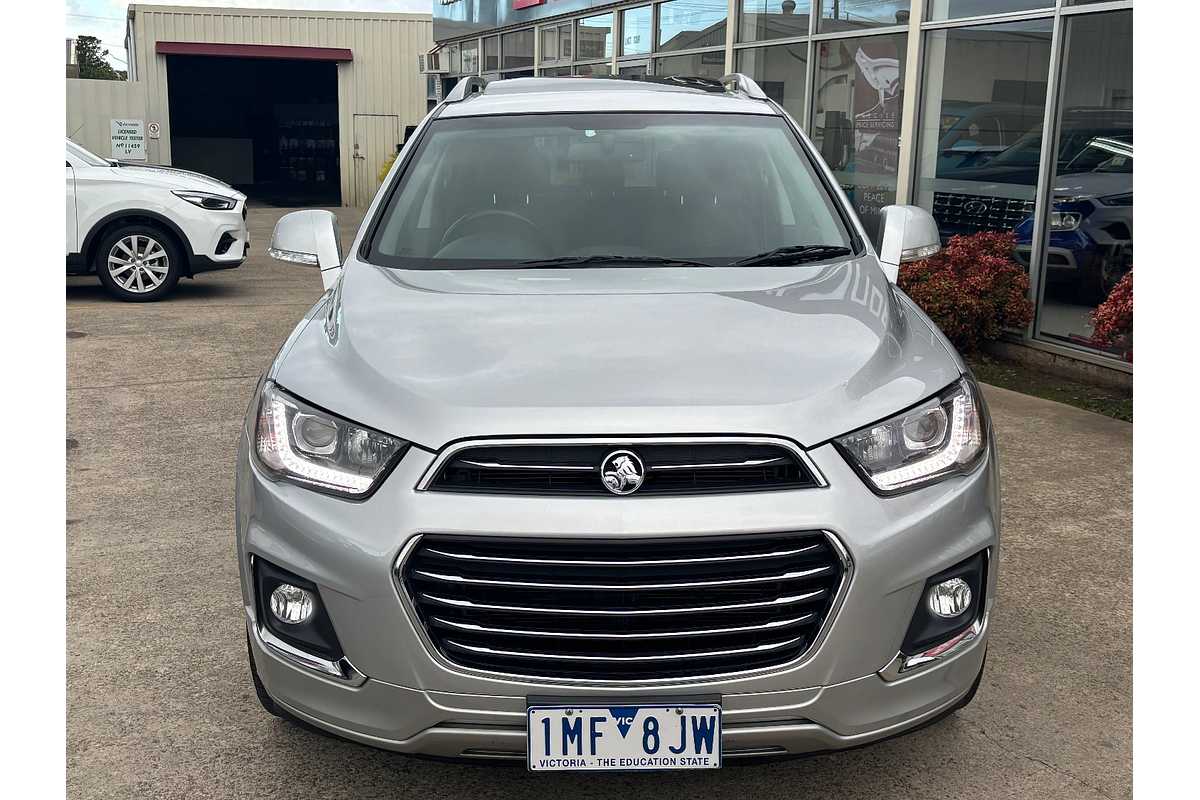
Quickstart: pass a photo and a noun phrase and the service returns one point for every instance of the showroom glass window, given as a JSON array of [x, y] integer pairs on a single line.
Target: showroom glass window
[[856, 118], [980, 129], [470, 57], [853, 15], [452, 64], [780, 71], [1090, 229], [699, 65], [517, 51], [564, 41], [595, 37], [954, 9], [636, 24], [691, 24], [773, 19], [602, 68], [491, 54], [549, 44]]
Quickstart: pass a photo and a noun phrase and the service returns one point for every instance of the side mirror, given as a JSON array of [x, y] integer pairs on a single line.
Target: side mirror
[[310, 238], [908, 233]]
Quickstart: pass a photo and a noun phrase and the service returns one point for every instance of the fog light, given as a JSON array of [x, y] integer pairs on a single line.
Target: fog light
[[949, 598], [292, 605]]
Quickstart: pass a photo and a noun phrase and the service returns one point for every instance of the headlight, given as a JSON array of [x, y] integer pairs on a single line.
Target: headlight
[[1065, 220], [305, 445], [943, 436], [213, 202]]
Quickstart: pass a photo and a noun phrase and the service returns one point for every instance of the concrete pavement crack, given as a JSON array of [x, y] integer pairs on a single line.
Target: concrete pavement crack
[[1052, 767]]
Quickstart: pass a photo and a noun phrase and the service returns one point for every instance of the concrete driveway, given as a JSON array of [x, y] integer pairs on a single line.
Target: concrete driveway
[[160, 702]]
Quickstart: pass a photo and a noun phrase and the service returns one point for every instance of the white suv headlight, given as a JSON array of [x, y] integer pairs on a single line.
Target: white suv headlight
[[946, 435], [311, 447], [208, 200]]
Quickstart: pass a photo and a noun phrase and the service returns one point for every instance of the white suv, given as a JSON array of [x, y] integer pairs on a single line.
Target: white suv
[[141, 228]]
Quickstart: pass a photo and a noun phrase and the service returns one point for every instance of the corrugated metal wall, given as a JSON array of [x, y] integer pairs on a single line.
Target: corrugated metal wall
[[92, 105], [382, 78]]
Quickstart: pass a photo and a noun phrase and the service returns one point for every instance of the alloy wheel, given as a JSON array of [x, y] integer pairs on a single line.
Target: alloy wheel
[[138, 263]]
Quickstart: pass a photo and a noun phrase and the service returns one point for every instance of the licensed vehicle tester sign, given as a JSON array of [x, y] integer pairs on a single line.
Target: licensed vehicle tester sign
[[129, 139]]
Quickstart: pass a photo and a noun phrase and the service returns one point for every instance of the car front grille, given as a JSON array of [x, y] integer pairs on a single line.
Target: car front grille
[[670, 468], [623, 609], [971, 213]]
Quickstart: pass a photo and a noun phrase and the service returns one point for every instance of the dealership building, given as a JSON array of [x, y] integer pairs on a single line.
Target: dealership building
[[941, 103], [292, 107]]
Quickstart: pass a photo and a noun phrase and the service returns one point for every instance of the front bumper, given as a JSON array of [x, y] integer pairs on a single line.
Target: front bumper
[[218, 239], [844, 693]]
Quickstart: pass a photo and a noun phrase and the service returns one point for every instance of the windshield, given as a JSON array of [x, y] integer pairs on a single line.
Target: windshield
[[486, 192], [87, 157]]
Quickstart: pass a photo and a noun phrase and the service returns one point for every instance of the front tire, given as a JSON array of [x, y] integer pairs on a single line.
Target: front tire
[[138, 263]]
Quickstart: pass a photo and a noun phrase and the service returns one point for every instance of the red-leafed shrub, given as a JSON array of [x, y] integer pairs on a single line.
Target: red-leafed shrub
[[972, 288], [1113, 320]]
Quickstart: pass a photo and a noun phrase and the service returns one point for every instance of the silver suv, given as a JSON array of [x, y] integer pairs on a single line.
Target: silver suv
[[612, 445]]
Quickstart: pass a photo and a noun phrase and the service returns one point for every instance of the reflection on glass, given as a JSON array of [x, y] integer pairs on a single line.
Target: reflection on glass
[[856, 118], [635, 30], [517, 49], [603, 68], [773, 19], [555, 72], [779, 70], [1090, 245], [696, 65], [470, 57], [549, 44], [689, 24], [850, 15], [453, 64], [632, 70], [491, 54], [979, 135], [596, 37], [564, 41], [953, 9]]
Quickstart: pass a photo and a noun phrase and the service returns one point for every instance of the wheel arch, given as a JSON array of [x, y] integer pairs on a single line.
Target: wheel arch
[[135, 216]]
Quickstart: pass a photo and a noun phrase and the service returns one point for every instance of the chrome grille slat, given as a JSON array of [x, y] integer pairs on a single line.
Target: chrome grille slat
[[784, 623], [580, 612], [623, 609], [625, 659], [625, 587], [619, 562]]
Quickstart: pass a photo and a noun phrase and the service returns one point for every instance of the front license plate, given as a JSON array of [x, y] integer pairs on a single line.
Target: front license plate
[[615, 738]]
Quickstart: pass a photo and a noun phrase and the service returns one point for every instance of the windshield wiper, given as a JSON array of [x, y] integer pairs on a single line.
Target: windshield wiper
[[793, 254], [606, 260]]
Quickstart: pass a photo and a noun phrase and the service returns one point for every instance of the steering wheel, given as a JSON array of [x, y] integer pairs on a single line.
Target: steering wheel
[[455, 230]]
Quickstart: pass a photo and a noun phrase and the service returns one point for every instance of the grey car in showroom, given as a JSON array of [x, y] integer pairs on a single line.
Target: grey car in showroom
[[613, 445]]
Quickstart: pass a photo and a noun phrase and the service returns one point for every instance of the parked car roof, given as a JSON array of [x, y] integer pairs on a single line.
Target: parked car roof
[[576, 94]]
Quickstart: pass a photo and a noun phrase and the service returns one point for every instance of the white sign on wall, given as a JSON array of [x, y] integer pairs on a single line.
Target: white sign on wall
[[129, 139]]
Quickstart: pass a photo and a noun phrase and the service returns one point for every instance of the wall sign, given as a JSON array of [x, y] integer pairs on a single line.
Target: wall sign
[[128, 139], [153, 129]]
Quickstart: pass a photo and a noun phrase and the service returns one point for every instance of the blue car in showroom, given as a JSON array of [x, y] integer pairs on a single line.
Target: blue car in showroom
[[1091, 222]]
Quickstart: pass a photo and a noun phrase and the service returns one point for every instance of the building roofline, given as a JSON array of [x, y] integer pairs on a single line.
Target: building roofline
[[276, 12]]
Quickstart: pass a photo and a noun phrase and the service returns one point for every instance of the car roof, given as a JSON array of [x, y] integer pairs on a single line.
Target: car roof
[[582, 94]]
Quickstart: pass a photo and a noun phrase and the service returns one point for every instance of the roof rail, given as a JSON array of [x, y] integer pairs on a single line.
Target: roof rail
[[467, 87], [744, 84]]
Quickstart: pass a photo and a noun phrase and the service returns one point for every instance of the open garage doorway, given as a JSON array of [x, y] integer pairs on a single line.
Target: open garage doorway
[[267, 126]]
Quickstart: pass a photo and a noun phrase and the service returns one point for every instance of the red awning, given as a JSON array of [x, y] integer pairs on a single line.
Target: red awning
[[253, 51]]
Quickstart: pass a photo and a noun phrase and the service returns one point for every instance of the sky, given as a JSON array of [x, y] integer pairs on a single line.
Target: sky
[[105, 19]]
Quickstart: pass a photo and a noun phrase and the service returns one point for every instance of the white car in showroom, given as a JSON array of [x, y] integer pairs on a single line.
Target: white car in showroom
[[141, 228]]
